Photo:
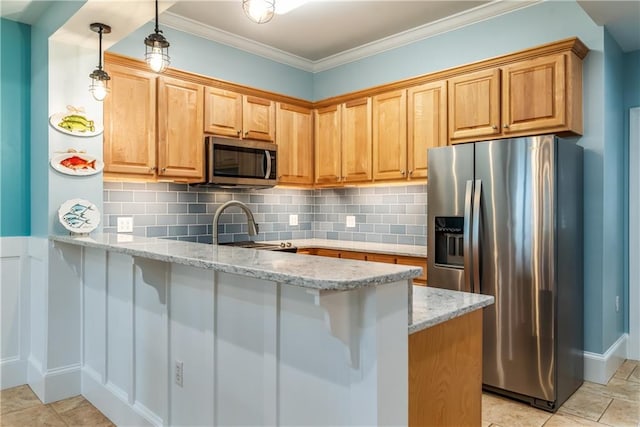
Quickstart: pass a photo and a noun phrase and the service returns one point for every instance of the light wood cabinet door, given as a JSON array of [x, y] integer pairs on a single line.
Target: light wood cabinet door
[[474, 105], [180, 136], [533, 94], [356, 141], [327, 145], [390, 135], [426, 124], [294, 137], [222, 112], [258, 118], [130, 123]]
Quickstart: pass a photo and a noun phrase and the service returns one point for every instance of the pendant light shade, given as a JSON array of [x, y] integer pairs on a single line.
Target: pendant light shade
[[259, 11], [99, 86], [157, 49]]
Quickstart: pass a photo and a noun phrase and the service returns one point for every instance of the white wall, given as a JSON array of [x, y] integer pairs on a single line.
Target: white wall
[[14, 311]]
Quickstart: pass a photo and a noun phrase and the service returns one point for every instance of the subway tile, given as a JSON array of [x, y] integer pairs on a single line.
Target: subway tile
[[332, 235], [206, 198], [197, 208], [156, 208], [111, 208], [142, 220], [138, 186], [188, 238], [366, 228], [381, 228], [120, 196], [177, 208], [390, 199], [420, 240], [187, 219], [166, 219], [223, 197], [374, 238], [107, 185], [178, 187], [399, 209], [285, 235], [133, 208], [157, 231], [390, 219], [406, 198], [178, 230], [232, 228], [389, 238], [359, 237], [167, 196], [406, 240], [197, 229], [382, 209], [367, 209], [187, 197], [157, 186], [397, 229], [205, 239], [205, 219], [105, 195], [140, 231]]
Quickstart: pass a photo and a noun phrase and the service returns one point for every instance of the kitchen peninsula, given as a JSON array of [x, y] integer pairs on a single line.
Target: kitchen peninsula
[[180, 333]]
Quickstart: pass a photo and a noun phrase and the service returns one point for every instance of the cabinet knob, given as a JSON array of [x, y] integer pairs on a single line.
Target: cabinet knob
[[152, 169], [163, 170], [506, 126], [238, 132], [494, 127], [410, 172], [403, 172], [246, 133]]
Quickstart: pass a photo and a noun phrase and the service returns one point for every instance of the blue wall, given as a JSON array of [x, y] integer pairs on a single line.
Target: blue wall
[[631, 98], [222, 62], [15, 71]]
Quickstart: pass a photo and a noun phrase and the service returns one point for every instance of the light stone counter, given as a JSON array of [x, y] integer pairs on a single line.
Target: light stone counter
[[432, 306], [287, 268], [348, 245]]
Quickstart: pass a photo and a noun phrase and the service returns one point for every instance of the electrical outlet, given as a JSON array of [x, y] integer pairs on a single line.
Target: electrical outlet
[[293, 219], [351, 221], [125, 224], [178, 372], [617, 304]]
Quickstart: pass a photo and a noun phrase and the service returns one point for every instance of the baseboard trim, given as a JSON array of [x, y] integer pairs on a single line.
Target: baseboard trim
[[599, 368], [13, 372], [113, 406], [54, 384]]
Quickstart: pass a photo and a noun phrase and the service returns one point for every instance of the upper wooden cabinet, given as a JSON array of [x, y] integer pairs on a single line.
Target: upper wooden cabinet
[[327, 138], [343, 143], [390, 135], [180, 136], [232, 114], [539, 95], [294, 130], [356, 141], [130, 123], [474, 105], [426, 124]]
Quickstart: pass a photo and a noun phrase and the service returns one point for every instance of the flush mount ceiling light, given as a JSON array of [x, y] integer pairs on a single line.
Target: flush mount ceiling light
[[259, 11], [157, 49], [99, 78]]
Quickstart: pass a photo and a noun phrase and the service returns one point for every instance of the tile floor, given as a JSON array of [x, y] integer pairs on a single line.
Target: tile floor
[[615, 404]]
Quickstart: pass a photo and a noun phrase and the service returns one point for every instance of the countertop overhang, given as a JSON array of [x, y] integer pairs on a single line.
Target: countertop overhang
[[288, 268]]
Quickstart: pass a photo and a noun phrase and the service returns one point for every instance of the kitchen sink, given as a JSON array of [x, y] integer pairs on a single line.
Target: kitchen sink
[[282, 247]]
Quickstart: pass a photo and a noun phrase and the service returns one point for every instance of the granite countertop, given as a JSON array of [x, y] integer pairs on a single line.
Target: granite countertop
[[432, 306], [371, 247], [298, 270]]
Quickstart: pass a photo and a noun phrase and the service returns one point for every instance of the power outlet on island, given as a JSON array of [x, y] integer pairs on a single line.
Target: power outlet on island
[[351, 221], [293, 219], [125, 224]]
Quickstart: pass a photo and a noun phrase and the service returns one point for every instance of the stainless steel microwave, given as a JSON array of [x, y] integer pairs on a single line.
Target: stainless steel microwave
[[241, 163]]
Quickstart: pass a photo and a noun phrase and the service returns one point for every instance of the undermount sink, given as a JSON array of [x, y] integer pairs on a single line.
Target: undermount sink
[[262, 246]]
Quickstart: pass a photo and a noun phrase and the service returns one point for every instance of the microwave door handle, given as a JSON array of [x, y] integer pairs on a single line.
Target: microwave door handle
[[467, 237], [267, 156]]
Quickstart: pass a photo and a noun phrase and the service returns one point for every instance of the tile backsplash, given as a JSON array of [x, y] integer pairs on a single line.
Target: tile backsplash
[[183, 212]]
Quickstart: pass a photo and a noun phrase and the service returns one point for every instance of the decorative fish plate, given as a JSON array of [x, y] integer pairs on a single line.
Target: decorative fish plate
[[75, 122], [79, 216], [76, 164]]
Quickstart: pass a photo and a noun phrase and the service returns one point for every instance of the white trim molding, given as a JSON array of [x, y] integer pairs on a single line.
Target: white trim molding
[[633, 348], [599, 368], [468, 17]]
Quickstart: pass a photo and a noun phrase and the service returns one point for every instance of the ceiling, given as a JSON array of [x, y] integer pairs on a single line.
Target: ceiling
[[322, 34]]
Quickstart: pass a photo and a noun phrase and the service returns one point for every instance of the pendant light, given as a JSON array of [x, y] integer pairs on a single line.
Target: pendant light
[[259, 11], [99, 78], [157, 49]]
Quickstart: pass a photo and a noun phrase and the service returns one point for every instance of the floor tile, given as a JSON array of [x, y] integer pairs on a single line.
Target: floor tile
[[16, 398], [622, 413], [635, 375], [616, 389], [40, 416], [586, 405], [625, 369], [505, 412], [77, 411], [568, 420]]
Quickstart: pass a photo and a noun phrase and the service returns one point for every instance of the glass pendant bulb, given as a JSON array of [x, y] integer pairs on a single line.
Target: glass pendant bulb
[[157, 49], [99, 78], [259, 11], [98, 89]]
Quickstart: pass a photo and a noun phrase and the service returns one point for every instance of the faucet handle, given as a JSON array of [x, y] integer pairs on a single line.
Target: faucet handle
[[257, 227]]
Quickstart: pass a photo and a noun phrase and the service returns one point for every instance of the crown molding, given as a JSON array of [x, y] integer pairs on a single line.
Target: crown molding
[[199, 29], [477, 14]]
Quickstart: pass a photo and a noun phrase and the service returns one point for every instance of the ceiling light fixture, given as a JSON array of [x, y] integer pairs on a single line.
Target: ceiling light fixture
[[99, 86], [157, 49], [259, 11]]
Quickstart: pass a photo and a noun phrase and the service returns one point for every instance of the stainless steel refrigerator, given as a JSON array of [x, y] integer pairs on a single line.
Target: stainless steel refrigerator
[[505, 219]]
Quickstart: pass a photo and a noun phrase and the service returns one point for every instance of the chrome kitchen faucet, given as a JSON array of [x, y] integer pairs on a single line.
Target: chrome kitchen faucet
[[253, 228]]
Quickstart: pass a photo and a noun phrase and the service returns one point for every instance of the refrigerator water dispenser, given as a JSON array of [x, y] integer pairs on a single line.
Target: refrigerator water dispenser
[[449, 241]]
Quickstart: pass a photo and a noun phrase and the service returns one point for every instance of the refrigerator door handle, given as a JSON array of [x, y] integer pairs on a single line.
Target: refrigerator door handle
[[467, 236], [475, 235]]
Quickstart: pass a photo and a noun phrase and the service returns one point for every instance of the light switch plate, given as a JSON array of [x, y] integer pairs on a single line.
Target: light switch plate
[[125, 224], [351, 221], [293, 219]]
